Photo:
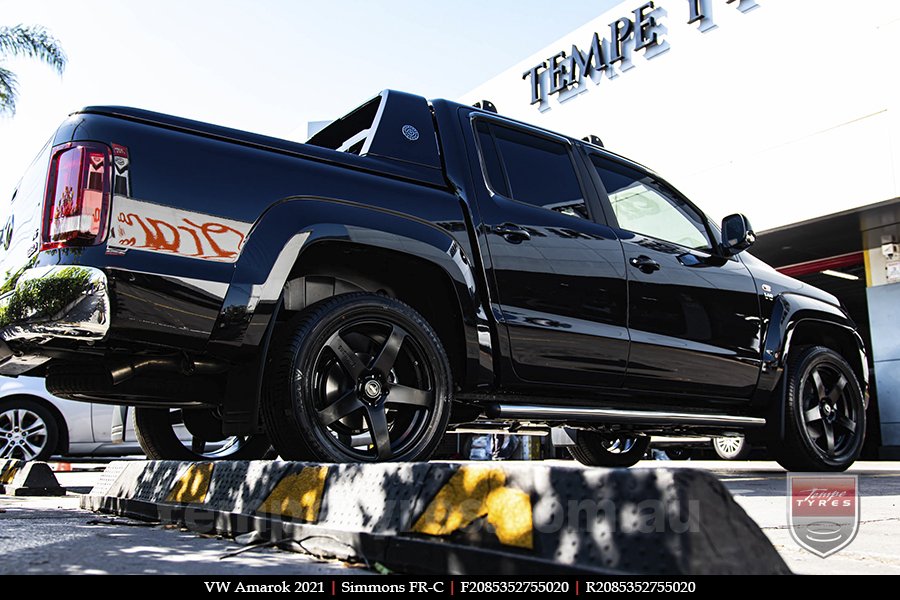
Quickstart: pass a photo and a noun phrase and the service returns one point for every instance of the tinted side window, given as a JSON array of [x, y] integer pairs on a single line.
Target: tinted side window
[[537, 171], [646, 206]]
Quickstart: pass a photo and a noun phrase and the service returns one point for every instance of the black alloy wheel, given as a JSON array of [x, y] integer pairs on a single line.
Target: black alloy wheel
[[609, 450], [679, 453], [194, 434], [358, 378], [825, 413]]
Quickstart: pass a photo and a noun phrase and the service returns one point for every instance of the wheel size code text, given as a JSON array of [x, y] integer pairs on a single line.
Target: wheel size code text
[[513, 587], [639, 587]]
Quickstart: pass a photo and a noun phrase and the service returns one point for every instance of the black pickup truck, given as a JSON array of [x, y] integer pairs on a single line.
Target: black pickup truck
[[414, 267]]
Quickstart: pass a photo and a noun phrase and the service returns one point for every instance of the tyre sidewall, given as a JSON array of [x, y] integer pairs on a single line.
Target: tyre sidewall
[[589, 450], [814, 458], [46, 415], [316, 333], [159, 441], [679, 453]]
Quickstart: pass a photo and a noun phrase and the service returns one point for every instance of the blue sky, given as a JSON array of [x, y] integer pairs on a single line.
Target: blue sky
[[265, 66]]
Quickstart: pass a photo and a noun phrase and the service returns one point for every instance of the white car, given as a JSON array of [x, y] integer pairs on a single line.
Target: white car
[[35, 424]]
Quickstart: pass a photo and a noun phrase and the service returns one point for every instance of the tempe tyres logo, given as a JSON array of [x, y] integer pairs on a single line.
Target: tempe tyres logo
[[823, 511]]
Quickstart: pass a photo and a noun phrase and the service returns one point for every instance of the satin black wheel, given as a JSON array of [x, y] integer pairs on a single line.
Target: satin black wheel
[[825, 413], [358, 378], [604, 450], [679, 453], [193, 434]]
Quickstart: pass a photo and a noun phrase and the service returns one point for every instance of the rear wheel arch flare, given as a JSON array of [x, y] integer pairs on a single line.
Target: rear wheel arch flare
[[329, 268]]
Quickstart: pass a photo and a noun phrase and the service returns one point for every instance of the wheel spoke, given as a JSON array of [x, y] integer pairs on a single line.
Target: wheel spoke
[[6, 450], [846, 423], [346, 356], [728, 444], [378, 430], [829, 437], [198, 445], [815, 432], [820, 387], [813, 414], [837, 391], [233, 444], [30, 449], [401, 394], [176, 417], [388, 354], [345, 405], [36, 428]]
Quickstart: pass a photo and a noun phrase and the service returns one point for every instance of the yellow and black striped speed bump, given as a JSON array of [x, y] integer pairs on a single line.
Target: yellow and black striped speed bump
[[8, 469], [512, 518]]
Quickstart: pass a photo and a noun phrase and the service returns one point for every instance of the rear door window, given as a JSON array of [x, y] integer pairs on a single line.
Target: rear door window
[[530, 169]]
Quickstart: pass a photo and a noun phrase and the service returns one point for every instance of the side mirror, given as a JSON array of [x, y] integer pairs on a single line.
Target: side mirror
[[737, 234]]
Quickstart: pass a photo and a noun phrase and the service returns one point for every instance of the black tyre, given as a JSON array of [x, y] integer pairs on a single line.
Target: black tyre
[[357, 378], [825, 418], [603, 450], [193, 434], [28, 430], [676, 453], [732, 447]]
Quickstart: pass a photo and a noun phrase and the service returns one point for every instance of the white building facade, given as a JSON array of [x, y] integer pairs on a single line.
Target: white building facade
[[785, 110]]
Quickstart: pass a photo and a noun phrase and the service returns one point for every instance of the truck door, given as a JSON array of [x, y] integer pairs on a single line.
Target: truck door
[[555, 268], [693, 315]]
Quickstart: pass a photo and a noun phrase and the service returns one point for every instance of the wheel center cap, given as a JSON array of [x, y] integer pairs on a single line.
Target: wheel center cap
[[372, 389]]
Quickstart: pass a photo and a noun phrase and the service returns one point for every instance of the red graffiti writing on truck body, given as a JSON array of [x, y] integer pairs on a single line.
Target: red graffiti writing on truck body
[[210, 240]]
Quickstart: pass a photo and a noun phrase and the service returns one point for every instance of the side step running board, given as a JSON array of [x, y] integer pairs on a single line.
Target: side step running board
[[539, 413]]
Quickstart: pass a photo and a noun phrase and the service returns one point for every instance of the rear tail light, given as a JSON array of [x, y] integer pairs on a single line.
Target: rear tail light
[[78, 193]]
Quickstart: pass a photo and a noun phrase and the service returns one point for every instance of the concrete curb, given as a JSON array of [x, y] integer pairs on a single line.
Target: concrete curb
[[457, 519]]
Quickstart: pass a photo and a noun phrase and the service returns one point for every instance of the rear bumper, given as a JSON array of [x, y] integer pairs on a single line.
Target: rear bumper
[[58, 302]]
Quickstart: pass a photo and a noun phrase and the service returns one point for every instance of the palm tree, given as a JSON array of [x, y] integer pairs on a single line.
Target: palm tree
[[32, 42]]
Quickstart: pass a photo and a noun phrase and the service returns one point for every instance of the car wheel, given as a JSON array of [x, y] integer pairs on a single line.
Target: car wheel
[[28, 430], [679, 453], [357, 378], [599, 450], [731, 447], [193, 434], [825, 418]]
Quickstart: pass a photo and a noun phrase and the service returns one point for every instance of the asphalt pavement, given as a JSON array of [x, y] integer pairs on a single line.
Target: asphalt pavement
[[52, 535]]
